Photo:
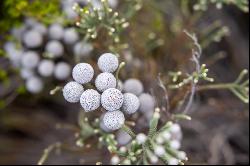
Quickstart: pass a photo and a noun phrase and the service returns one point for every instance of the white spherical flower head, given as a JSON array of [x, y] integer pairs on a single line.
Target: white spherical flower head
[[72, 92], [115, 160], [153, 159], [15, 56], [42, 29], [83, 49], [123, 138], [56, 31], [70, 36], [108, 63], [175, 144], [130, 104], [54, 48], [114, 120], [112, 99], [175, 129], [32, 39], [46, 68], [90, 100], [83, 73], [182, 155], [70, 13], [62, 71], [141, 138], [133, 86], [113, 3], [27, 73], [105, 81], [159, 151], [34, 85], [147, 103], [30, 60], [173, 161]]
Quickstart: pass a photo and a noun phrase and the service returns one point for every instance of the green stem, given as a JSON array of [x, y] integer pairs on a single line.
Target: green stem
[[216, 86], [129, 131]]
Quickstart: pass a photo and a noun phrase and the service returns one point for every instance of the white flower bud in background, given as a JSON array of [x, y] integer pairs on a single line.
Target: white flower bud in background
[[41, 28], [14, 54], [26, 73], [114, 120], [113, 3], [46, 68], [173, 161], [134, 86], [70, 13], [72, 92], [123, 138], [108, 63], [182, 155], [62, 71], [83, 73], [56, 32], [34, 85], [105, 81], [30, 60], [90, 100], [147, 103], [176, 133], [175, 144], [141, 138], [159, 151], [153, 159], [112, 99], [30, 22], [18, 32], [166, 135], [70, 36], [131, 103], [160, 140], [54, 48], [82, 49], [32, 39], [115, 160]]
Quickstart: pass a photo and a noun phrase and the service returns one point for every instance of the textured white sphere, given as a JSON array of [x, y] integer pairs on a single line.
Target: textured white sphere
[[83, 49], [105, 81], [56, 32], [62, 71], [90, 100], [34, 85], [30, 60], [46, 68], [108, 63], [134, 86], [72, 92], [26, 73], [123, 138], [114, 120], [32, 39], [70, 36], [147, 103], [131, 103], [141, 138], [112, 99], [83, 73], [54, 48], [40, 28]]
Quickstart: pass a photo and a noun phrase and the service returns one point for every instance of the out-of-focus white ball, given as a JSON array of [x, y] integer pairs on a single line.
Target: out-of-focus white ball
[[26, 73], [34, 85], [82, 49], [123, 138], [18, 32], [30, 60], [14, 54], [147, 103], [46, 68], [54, 48], [70, 36], [56, 31], [113, 3], [70, 13], [134, 86], [32, 39], [40, 28], [62, 71]]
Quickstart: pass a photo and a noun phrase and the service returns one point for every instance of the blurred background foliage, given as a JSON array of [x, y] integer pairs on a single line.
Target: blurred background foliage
[[219, 131]]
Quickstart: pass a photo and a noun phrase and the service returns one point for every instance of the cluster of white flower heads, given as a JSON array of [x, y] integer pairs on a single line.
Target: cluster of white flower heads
[[34, 40], [105, 94]]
